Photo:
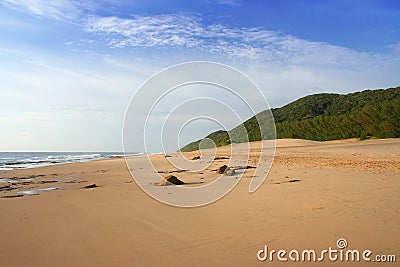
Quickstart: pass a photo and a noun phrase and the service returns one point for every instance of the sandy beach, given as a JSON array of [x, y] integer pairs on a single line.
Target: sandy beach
[[315, 194]]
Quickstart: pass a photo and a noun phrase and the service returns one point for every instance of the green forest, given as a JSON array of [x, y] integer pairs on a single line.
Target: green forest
[[321, 117]]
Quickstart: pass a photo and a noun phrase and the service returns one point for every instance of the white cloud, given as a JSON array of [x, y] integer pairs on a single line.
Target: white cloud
[[55, 9], [189, 31], [148, 31], [181, 30]]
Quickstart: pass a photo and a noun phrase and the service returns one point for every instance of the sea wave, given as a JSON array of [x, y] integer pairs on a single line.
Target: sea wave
[[24, 160]]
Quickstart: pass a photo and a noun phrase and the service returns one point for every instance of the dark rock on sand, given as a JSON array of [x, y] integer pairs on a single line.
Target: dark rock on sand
[[170, 179], [222, 169], [91, 186], [196, 158]]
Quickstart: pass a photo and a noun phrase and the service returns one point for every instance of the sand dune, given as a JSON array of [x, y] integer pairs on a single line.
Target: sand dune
[[315, 193]]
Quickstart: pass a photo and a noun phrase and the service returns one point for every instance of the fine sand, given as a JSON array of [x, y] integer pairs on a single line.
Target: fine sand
[[315, 193]]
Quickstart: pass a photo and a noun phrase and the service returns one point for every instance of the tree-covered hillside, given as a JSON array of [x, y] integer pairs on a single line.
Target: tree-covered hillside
[[370, 113]]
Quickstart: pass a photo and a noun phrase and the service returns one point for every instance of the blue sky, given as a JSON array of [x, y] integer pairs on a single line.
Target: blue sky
[[69, 68]]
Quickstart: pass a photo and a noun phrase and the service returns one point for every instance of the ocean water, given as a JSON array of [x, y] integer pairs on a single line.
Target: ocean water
[[24, 160]]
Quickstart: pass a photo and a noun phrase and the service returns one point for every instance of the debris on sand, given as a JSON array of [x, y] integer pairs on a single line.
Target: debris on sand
[[8, 187], [91, 186], [170, 179], [224, 169], [245, 167], [250, 167], [196, 158], [13, 196], [289, 181]]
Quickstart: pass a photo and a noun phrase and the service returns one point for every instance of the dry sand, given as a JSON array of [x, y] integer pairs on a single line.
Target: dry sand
[[315, 193]]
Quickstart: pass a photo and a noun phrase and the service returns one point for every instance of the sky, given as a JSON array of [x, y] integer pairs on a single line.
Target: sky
[[69, 68]]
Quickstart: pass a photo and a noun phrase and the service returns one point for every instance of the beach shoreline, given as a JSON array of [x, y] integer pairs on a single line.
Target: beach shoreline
[[315, 193]]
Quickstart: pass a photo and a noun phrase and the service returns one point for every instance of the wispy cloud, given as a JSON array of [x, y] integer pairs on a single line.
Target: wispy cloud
[[56, 9], [188, 31], [191, 32], [148, 31]]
